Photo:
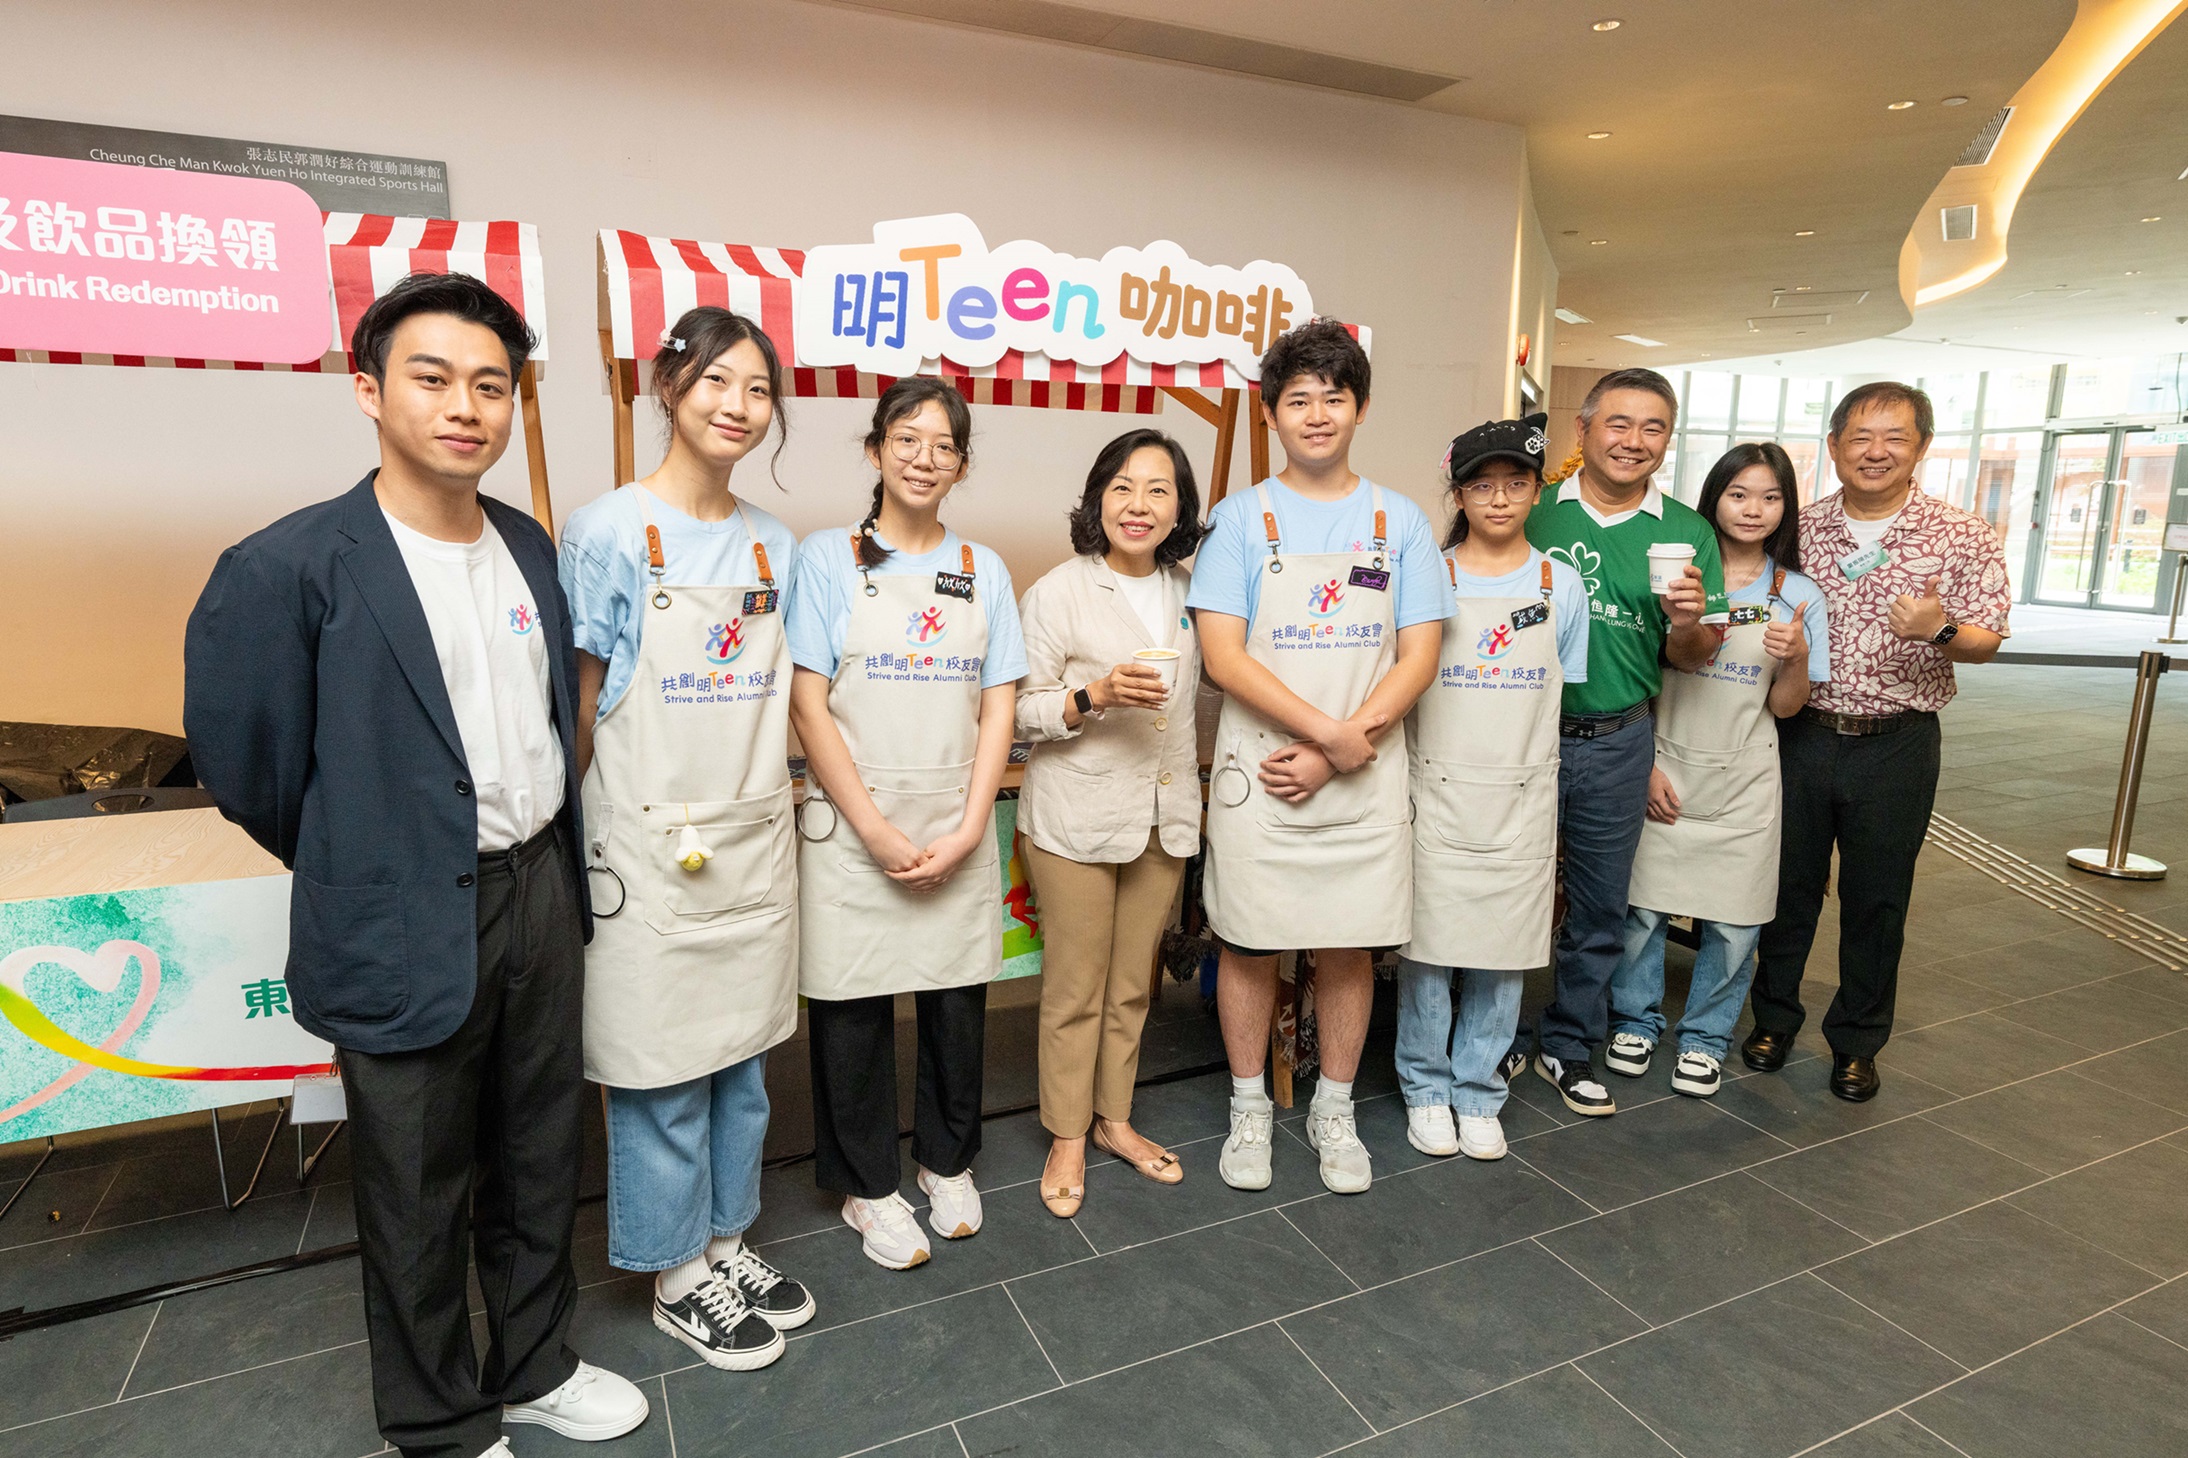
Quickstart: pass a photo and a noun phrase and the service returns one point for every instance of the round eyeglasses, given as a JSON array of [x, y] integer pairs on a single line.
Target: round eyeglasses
[[908, 448]]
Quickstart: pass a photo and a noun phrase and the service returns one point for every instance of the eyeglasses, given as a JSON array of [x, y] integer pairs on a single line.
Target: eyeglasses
[[907, 448], [1481, 493]]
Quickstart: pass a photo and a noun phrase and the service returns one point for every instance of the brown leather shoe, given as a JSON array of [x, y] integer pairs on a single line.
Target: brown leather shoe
[[1764, 1051], [1854, 1079]]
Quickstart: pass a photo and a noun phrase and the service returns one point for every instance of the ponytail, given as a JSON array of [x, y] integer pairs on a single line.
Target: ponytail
[[871, 553]]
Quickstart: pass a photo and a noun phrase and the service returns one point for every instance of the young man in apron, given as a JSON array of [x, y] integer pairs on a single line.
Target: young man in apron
[[908, 653], [1320, 605], [692, 975], [1710, 847], [1483, 749]]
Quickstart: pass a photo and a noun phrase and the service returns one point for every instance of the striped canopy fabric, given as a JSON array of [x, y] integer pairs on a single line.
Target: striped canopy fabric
[[648, 283], [366, 254]]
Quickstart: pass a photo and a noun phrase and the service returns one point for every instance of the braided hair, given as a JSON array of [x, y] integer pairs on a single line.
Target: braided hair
[[900, 402]]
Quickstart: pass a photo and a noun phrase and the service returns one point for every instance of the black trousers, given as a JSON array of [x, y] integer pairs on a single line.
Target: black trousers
[[470, 1148], [854, 1088], [1871, 797]]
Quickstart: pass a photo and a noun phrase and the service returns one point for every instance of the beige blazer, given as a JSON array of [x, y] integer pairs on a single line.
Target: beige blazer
[[1092, 793]]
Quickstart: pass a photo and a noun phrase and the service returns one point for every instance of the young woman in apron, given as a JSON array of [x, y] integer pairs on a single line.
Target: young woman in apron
[[684, 710], [1484, 756], [907, 647], [1709, 849]]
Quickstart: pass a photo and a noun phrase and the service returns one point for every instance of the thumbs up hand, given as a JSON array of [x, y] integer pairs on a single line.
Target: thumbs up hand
[[1918, 619]]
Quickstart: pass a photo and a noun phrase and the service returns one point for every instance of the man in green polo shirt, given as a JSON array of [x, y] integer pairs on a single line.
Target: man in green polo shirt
[[1602, 521]]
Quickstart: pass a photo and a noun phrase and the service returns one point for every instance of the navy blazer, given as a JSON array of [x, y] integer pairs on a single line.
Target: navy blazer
[[317, 716]]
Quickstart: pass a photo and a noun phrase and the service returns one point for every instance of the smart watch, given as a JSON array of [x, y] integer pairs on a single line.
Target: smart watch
[[1946, 634], [1084, 702]]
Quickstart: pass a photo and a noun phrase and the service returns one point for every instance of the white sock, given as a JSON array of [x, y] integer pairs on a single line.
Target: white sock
[[724, 1248], [677, 1282], [1248, 1090], [1328, 1090]]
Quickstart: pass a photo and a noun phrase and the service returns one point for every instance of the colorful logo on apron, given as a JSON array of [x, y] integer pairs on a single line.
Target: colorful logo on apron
[[522, 619], [1325, 598], [925, 626], [1496, 641], [725, 641]]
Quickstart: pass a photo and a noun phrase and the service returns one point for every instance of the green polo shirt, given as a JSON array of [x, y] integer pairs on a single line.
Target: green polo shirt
[[1626, 626]]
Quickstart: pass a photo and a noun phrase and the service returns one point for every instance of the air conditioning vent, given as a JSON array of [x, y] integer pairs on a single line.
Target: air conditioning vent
[[1986, 140], [1786, 323], [1812, 301], [1959, 223]]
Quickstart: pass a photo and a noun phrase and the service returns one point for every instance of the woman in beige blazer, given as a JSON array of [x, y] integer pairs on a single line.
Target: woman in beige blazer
[[1111, 804]]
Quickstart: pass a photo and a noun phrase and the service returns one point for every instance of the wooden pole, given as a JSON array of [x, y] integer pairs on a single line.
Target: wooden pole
[[535, 445], [1258, 443], [622, 391]]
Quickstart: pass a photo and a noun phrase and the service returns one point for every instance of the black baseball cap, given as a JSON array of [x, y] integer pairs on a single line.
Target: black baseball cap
[[1524, 440]]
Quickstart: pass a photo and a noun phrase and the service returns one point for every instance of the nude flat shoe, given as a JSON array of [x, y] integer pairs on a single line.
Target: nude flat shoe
[[1162, 1168], [1063, 1201]]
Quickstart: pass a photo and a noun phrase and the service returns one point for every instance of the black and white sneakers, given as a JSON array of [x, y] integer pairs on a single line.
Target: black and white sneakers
[[1696, 1074], [1629, 1054], [773, 1297], [1514, 1064], [714, 1320], [1576, 1084]]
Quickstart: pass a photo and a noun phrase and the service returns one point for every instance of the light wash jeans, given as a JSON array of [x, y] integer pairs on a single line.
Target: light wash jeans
[[1447, 1060], [684, 1165], [1723, 968]]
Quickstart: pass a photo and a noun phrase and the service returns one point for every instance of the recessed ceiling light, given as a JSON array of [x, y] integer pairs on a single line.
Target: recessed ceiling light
[[2154, 220], [1641, 339], [2132, 272], [1802, 288], [1607, 25], [1954, 101], [1597, 136], [1597, 242], [1804, 232], [1573, 316], [1898, 106]]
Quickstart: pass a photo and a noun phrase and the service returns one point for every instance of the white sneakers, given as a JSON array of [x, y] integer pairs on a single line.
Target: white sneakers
[[1696, 1074], [1629, 1054], [1428, 1129], [594, 1405], [1481, 1136], [953, 1205], [1331, 1133], [890, 1230], [1244, 1163]]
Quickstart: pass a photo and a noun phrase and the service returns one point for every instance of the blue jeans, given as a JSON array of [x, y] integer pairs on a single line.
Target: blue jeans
[[684, 1165], [1445, 1061], [1602, 797], [1723, 968]]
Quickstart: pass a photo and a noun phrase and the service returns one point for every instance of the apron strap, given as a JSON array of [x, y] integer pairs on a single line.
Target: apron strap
[[1452, 568], [1546, 579], [1268, 525], [860, 562], [653, 549], [1382, 534], [965, 549], [656, 564]]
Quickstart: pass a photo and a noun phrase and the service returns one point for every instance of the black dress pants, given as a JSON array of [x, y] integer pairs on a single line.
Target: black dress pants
[[471, 1148], [853, 1045], [1871, 797]]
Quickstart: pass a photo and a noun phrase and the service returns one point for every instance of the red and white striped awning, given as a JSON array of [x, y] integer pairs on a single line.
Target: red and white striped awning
[[367, 253], [646, 284]]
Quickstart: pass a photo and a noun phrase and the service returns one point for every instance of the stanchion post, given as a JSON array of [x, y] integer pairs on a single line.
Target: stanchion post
[[2116, 859], [2180, 591]]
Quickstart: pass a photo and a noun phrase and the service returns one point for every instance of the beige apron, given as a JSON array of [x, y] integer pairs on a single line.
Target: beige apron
[[1336, 869], [1717, 742], [906, 698], [1484, 765], [696, 969]]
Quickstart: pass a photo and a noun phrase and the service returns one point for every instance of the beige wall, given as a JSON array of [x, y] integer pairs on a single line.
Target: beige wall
[[769, 122], [1534, 305]]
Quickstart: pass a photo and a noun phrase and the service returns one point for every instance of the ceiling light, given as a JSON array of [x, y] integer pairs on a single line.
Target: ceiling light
[[1597, 242], [1954, 101], [1573, 316], [2131, 272], [1802, 288], [1607, 24], [1597, 136], [1644, 341], [2153, 220], [1899, 106], [1804, 232]]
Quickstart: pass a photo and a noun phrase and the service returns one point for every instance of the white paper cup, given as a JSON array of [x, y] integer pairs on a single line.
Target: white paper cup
[[1164, 661], [1668, 562]]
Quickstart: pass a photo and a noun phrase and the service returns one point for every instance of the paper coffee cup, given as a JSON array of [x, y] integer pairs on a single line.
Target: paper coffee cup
[[1164, 661], [1668, 562]]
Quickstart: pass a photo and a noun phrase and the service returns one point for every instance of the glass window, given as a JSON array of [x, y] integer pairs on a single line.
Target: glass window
[[2134, 546], [2018, 398], [1667, 475], [1953, 398], [1708, 402], [1805, 454], [1807, 407], [1759, 406], [2005, 490], [1944, 471], [1700, 453]]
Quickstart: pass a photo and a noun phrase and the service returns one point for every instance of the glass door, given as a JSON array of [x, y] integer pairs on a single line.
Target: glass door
[[2104, 519], [2135, 535], [2081, 472]]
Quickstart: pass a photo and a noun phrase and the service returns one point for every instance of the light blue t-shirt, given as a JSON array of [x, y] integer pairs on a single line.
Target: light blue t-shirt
[[606, 577], [1568, 606], [1803, 596], [1227, 572], [827, 577]]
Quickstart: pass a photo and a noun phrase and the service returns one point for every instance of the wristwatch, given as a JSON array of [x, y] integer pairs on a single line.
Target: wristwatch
[[1084, 702], [1946, 634]]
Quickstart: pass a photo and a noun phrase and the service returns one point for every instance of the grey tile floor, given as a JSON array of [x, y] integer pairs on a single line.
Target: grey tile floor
[[1986, 1261]]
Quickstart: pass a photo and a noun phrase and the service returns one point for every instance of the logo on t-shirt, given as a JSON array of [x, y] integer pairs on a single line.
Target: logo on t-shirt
[[1496, 641], [924, 626], [522, 619], [726, 641], [1582, 559], [1325, 598]]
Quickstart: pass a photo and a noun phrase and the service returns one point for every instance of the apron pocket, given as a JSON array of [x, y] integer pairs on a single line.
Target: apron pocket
[[1342, 800], [1486, 808], [735, 880], [926, 804], [1091, 816], [1717, 785]]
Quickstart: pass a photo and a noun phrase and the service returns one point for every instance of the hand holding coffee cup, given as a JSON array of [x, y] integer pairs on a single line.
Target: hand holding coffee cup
[[1132, 685], [1164, 661], [1666, 561]]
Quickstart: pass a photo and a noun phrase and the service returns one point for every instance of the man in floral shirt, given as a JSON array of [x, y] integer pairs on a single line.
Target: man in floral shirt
[[1913, 586]]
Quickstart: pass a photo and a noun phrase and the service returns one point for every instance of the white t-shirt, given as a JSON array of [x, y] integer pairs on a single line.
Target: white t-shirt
[[493, 656], [1148, 597], [1867, 534]]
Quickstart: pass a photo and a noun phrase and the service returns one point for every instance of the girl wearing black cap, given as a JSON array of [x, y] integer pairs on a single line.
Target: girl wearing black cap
[[1483, 743]]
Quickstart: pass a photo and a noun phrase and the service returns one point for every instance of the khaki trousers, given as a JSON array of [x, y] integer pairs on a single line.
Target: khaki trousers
[[1100, 926]]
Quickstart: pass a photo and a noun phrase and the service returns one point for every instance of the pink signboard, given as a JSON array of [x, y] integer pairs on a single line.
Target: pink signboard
[[103, 259]]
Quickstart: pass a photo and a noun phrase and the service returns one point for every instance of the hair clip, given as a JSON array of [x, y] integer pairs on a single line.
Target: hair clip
[[670, 341]]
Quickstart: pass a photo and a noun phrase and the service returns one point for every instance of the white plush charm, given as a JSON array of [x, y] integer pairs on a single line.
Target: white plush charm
[[692, 853]]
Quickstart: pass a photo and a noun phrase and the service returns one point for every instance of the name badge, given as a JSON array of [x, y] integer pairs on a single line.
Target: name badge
[[1528, 616], [1371, 579], [1752, 613], [1854, 564], [953, 584], [763, 601]]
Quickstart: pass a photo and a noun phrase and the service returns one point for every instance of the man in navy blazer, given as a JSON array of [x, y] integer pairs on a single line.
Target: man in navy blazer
[[380, 689]]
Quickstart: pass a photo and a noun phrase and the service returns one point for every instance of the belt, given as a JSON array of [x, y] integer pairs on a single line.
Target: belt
[[1595, 726], [1855, 726], [518, 856]]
